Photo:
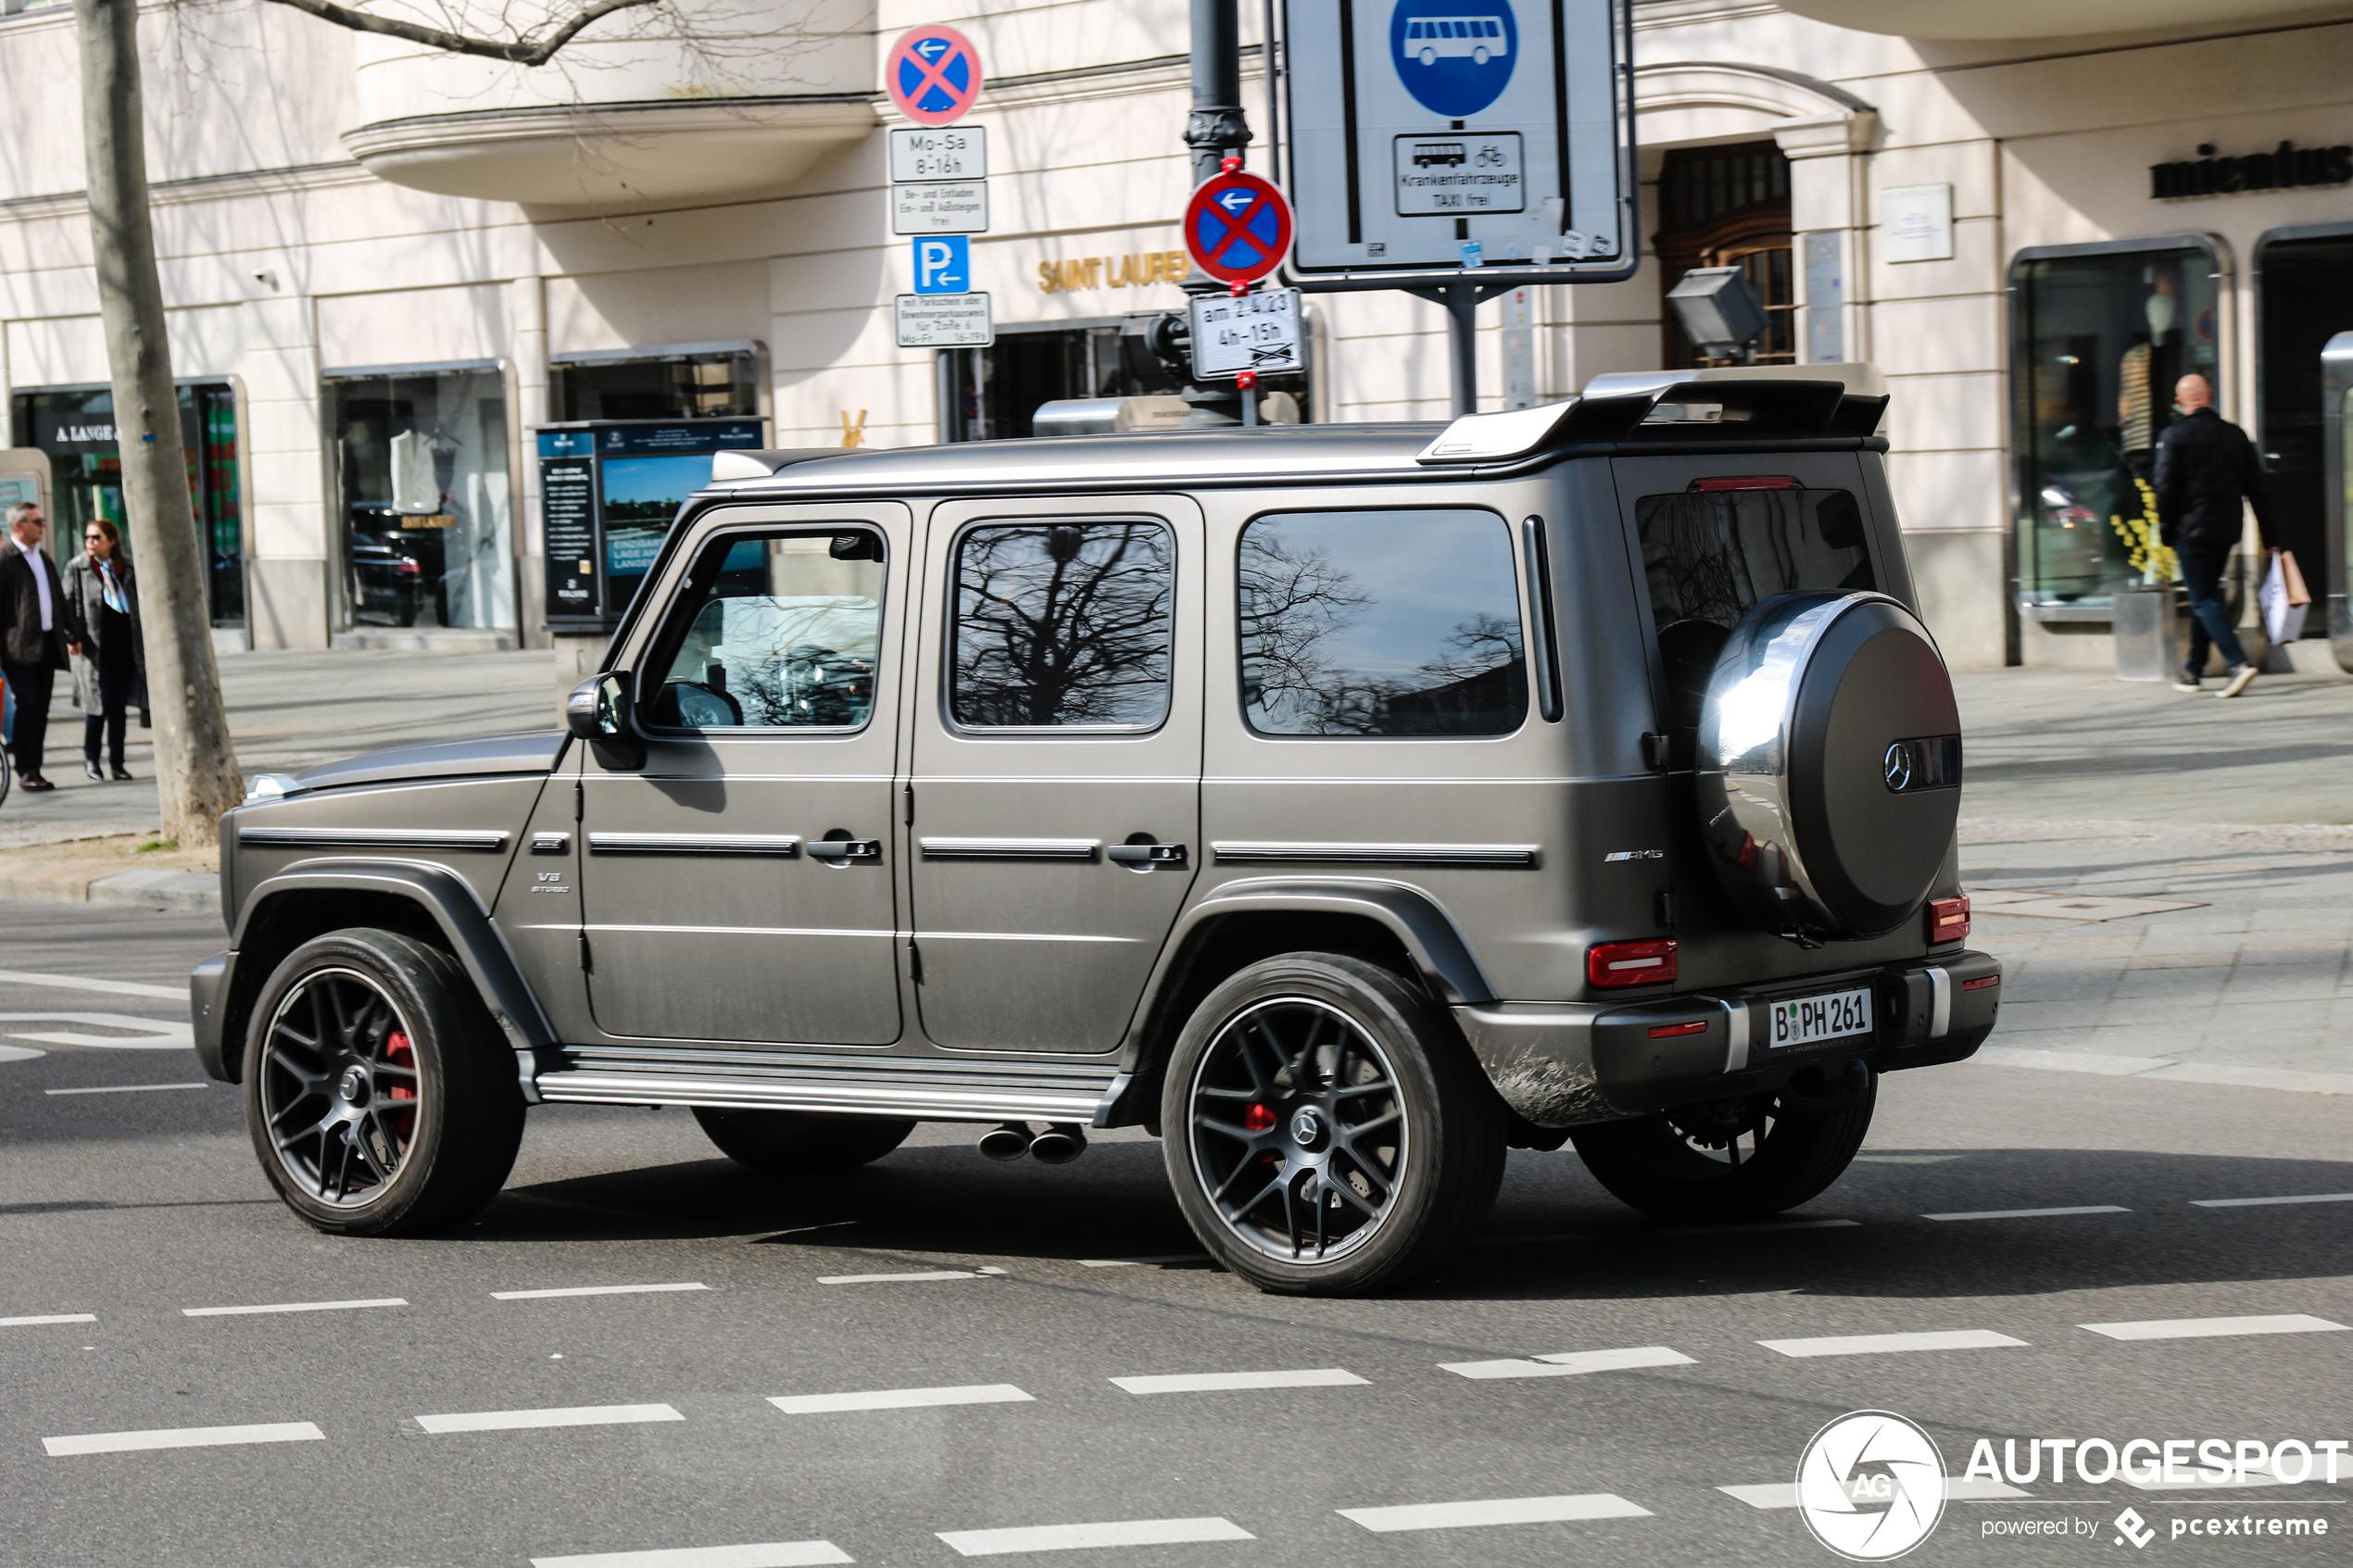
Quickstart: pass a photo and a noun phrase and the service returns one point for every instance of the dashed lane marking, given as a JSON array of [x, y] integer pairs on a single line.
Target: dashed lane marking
[[125, 1088], [1220, 1381], [1070, 1537], [1570, 1363], [1143, 1263], [1767, 1227], [292, 1307], [2255, 1202], [899, 1279], [2216, 1328], [84, 982], [1495, 1510], [901, 1398], [578, 1415], [590, 1290], [1783, 1494], [54, 1317], [2031, 1213], [765, 1554], [183, 1438], [1882, 1344]]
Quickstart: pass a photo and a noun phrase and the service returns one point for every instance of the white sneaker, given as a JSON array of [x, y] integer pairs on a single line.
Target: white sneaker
[[2185, 681], [2237, 679]]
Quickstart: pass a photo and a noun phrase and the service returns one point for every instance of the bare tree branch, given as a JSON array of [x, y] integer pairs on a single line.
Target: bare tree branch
[[521, 51]]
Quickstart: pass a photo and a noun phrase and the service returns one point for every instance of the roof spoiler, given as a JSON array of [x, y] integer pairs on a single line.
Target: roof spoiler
[[726, 467], [1760, 403]]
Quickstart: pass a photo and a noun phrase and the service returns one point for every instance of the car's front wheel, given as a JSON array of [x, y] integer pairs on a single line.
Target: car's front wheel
[[792, 1143], [1326, 1129], [1735, 1159], [380, 1096]]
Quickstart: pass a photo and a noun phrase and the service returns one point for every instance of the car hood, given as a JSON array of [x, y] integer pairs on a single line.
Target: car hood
[[533, 751]]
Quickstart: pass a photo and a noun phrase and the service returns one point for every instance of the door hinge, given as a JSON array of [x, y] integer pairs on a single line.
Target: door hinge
[[579, 800], [587, 958], [911, 805], [915, 961], [1657, 752]]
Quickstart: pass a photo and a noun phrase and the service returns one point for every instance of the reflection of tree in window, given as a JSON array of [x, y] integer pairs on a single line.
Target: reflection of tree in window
[[1064, 624], [1419, 635]]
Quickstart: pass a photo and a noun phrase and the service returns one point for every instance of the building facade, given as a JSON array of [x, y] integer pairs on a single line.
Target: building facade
[[387, 268]]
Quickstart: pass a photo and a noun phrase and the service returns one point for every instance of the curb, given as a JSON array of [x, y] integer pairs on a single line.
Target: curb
[[184, 892]]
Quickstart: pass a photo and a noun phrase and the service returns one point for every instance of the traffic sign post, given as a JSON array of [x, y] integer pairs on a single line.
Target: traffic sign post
[[1254, 334], [1237, 226], [932, 75], [939, 187]]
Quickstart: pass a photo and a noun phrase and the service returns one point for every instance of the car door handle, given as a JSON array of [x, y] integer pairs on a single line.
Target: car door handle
[[843, 851], [1147, 853]]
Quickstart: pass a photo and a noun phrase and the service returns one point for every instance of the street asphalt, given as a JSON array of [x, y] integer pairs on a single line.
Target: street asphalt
[[414, 1409]]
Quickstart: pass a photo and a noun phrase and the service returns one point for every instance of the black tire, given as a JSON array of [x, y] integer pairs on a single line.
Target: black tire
[[1356, 1052], [792, 1143], [381, 1098], [1680, 1166]]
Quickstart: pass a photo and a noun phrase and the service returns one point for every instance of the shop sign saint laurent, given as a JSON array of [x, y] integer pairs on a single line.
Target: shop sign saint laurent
[[1139, 270], [2284, 166]]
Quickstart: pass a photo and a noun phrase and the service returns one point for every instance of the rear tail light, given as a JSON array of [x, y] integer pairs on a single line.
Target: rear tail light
[[1762, 481], [1675, 1031], [1980, 983], [1947, 920], [1631, 963]]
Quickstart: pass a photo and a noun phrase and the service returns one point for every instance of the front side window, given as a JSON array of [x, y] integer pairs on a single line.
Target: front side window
[[776, 631], [1381, 623], [1710, 555], [1063, 625]]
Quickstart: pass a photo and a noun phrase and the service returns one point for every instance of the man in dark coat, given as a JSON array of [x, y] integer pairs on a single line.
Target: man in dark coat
[[32, 647], [2205, 471]]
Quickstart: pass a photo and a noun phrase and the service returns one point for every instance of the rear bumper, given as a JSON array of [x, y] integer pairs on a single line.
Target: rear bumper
[[1561, 1065]]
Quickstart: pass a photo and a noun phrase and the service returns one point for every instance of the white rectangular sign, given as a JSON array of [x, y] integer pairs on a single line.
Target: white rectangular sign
[[946, 152], [1915, 223], [1256, 332], [959, 208], [1419, 127], [945, 321]]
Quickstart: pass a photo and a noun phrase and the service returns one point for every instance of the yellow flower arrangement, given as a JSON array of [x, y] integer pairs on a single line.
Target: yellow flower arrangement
[[2150, 555]]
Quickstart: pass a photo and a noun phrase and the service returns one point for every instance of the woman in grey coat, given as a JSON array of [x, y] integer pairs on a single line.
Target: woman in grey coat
[[102, 637]]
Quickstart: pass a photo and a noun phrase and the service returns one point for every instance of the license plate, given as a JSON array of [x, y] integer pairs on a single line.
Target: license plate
[[1804, 1020]]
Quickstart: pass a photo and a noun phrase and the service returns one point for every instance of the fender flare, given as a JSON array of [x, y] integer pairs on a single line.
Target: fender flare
[[477, 941]]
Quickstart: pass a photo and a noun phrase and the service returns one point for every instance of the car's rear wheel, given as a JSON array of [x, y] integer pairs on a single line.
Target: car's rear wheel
[[1739, 1158], [792, 1143], [1326, 1129], [380, 1098]]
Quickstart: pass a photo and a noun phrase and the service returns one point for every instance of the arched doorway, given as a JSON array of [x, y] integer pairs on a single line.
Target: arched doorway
[[1727, 206]]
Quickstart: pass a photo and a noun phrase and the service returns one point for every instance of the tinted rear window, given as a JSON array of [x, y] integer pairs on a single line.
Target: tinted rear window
[[1710, 555]]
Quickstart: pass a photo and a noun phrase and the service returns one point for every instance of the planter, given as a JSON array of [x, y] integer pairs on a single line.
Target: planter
[[2147, 645]]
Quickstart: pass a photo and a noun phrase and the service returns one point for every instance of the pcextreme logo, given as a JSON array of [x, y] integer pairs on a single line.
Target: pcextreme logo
[[1871, 1486]]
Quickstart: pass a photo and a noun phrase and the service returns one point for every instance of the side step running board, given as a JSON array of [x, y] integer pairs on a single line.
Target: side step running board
[[924, 1090]]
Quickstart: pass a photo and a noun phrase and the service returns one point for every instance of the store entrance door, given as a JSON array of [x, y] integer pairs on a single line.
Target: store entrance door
[[2305, 292]]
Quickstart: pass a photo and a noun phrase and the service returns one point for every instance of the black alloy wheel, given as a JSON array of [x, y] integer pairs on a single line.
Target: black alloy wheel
[[1741, 1159], [1326, 1129], [380, 1098]]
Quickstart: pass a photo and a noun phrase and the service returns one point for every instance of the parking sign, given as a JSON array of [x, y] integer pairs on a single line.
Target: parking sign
[[943, 264]]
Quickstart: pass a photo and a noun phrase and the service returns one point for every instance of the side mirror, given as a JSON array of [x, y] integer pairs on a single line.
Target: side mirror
[[598, 713]]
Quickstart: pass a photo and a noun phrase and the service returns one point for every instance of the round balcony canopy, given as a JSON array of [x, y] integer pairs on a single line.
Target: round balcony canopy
[[2029, 18]]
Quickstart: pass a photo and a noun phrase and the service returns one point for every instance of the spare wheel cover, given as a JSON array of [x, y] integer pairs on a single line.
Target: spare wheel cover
[[1829, 764]]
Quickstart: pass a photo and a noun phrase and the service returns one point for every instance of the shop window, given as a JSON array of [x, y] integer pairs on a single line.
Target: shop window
[[2304, 297], [1729, 207], [421, 481], [2099, 336], [994, 393], [714, 381], [75, 426]]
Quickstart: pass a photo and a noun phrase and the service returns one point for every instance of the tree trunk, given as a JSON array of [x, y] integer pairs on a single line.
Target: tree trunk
[[196, 774]]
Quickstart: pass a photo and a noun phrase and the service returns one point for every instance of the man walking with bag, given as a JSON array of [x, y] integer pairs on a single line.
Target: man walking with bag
[[32, 647], [2205, 471]]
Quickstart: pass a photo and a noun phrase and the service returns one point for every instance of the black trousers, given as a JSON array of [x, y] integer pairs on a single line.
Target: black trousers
[[113, 712], [31, 683]]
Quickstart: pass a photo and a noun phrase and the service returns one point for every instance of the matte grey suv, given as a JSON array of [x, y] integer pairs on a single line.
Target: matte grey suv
[[1345, 805]]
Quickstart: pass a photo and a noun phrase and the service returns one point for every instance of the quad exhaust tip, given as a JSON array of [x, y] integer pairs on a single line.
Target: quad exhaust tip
[[1061, 1142]]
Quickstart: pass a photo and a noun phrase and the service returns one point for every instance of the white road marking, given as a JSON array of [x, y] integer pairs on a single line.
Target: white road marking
[[1069, 1538], [125, 1088], [767, 1554], [1143, 1263], [900, 1398], [578, 1415], [292, 1307], [1219, 1382], [1904, 1159], [2257, 1475], [1765, 1227], [147, 1034], [2253, 1202], [896, 1279], [84, 982], [58, 1317], [1878, 1344], [2031, 1213], [2215, 1328], [183, 1438], [1783, 1494], [588, 1290], [20, 1053], [1569, 1363], [1495, 1510]]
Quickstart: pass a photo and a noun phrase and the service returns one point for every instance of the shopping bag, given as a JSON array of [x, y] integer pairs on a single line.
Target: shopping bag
[[2296, 591], [2283, 617]]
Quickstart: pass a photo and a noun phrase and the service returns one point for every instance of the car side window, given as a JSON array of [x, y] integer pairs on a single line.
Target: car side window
[[774, 632], [1381, 623], [1063, 625]]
